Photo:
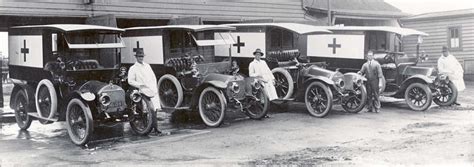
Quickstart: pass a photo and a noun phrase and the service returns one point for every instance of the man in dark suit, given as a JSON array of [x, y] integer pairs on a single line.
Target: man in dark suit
[[373, 72]]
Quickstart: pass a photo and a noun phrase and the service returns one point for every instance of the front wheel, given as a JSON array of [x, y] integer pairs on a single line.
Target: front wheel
[[447, 94], [143, 119], [212, 106], [170, 91], [283, 83], [418, 96], [259, 106], [21, 110], [79, 121], [356, 100], [318, 99]]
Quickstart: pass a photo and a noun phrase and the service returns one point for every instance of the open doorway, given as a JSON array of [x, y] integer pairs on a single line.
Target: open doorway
[[6, 85]]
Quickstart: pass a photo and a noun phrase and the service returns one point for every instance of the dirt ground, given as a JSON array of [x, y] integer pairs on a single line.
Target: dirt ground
[[396, 136]]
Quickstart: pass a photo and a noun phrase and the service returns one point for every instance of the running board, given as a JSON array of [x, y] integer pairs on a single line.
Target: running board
[[172, 109], [42, 118]]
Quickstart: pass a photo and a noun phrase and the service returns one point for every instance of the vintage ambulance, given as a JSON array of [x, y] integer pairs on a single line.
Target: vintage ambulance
[[190, 77], [68, 72], [346, 48], [286, 45]]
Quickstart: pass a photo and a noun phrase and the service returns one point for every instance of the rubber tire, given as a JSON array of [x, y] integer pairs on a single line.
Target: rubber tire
[[453, 98], [53, 100], [265, 107], [177, 84], [328, 94], [223, 106], [362, 104], [22, 124], [429, 98], [288, 78], [89, 122], [151, 119]]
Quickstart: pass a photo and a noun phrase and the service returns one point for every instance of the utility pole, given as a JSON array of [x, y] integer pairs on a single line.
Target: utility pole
[[329, 13]]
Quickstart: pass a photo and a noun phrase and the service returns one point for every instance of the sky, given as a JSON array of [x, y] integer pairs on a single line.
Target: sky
[[407, 6], [426, 6]]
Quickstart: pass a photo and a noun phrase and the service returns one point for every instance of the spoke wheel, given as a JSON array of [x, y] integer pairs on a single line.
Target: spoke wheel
[[418, 96], [212, 106], [46, 100], [447, 94], [283, 83], [258, 107], [356, 100], [170, 91], [318, 99], [21, 110], [142, 121], [79, 122]]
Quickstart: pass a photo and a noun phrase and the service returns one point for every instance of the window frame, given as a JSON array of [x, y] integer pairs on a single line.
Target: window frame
[[449, 37]]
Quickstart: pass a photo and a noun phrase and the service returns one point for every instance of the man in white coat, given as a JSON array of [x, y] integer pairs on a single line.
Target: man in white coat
[[141, 76], [259, 68], [450, 66]]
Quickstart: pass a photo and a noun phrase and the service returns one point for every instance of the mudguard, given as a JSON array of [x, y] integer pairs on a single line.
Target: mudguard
[[320, 78], [415, 78], [87, 96]]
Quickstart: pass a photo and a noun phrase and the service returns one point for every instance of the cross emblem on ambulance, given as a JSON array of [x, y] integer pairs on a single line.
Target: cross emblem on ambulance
[[239, 44], [334, 45], [24, 50]]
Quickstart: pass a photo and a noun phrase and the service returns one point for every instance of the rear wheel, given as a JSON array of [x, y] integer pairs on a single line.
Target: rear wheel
[[447, 94], [144, 118], [258, 107], [212, 106], [46, 100], [170, 91], [21, 110], [318, 99], [79, 121], [418, 96], [356, 100], [283, 83]]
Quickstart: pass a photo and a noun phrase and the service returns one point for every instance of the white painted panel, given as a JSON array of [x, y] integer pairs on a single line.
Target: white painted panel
[[347, 46], [152, 46], [32, 47], [251, 40]]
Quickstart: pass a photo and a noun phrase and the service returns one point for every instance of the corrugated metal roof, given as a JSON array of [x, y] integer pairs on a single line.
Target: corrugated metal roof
[[441, 14], [398, 30], [295, 27], [357, 7], [71, 27], [186, 27]]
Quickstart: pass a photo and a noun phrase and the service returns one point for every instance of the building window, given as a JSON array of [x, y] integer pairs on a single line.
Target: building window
[[454, 37]]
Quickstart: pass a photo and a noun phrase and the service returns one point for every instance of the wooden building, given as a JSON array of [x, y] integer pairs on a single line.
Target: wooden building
[[159, 12], [355, 12], [454, 29]]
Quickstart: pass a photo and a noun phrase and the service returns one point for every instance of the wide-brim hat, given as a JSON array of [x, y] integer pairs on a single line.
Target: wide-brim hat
[[444, 48], [139, 52], [258, 51]]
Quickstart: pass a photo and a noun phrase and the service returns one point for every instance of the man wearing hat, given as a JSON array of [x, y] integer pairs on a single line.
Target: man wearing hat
[[259, 68], [449, 65], [141, 76]]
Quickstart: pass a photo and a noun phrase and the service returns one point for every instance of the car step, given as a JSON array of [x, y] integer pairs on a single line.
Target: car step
[[42, 118], [172, 109]]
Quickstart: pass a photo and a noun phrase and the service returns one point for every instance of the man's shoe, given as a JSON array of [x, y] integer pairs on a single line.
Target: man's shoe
[[456, 104], [369, 110], [376, 110]]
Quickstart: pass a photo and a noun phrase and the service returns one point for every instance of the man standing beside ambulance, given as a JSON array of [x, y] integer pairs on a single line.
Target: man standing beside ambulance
[[450, 66]]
